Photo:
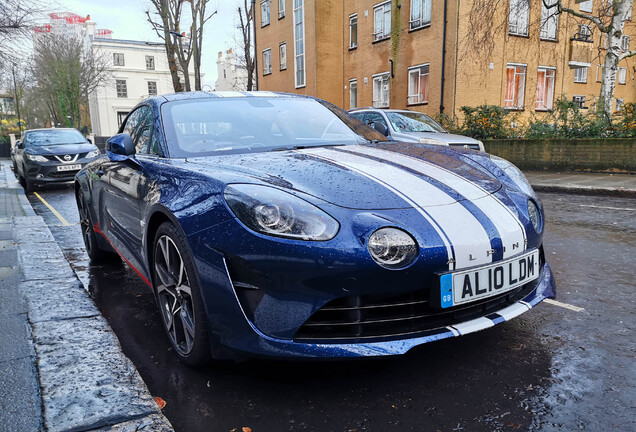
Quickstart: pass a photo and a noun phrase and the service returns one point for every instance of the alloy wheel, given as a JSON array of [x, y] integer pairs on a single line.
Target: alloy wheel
[[85, 223]]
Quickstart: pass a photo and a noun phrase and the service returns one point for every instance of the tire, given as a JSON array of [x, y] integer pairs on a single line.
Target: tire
[[94, 252], [28, 185], [179, 297]]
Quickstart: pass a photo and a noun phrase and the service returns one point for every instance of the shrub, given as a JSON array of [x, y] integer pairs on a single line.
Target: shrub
[[485, 121]]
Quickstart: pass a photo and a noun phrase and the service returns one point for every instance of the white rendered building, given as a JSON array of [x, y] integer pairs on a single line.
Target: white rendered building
[[231, 76]]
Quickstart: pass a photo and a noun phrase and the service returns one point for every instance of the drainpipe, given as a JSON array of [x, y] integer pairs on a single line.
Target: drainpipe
[[441, 101], [255, 50]]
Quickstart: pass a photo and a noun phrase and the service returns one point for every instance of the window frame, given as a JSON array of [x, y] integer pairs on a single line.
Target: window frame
[[353, 83], [119, 85], [583, 6], [385, 33], [418, 69], [620, 104], [545, 20], [520, 104], [517, 24], [625, 43], [156, 85], [585, 36], [580, 101], [267, 71], [622, 72], [299, 30], [265, 6], [282, 47], [119, 59], [380, 103], [599, 72], [424, 7], [581, 80], [352, 17], [281, 9], [549, 77], [152, 62]]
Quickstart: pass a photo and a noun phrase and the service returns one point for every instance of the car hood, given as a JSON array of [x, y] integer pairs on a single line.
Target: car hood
[[369, 177], [61, 149], [448, 138]]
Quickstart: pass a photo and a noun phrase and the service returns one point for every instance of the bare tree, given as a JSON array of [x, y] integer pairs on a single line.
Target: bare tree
[[246, 57], [66, 71], [488, 20], [17, 17], [167, 20]]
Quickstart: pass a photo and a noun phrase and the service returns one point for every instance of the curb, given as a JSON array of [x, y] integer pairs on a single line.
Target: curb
[[86, 382], [586, 190]]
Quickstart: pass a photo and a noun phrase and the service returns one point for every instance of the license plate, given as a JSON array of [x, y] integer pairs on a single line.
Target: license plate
[[69, 167], [475, 284]]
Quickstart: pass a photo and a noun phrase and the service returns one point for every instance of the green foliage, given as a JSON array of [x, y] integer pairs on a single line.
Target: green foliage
[[485, 121], [626, 127]]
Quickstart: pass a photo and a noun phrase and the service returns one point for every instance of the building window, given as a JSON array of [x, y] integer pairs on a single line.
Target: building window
[[586, 6], [599, 73], [420, 13], [281, 9], [264, 13], [283, 55], [299, 43], [584, 34], [608, 7], [519, 17], [267, 61], [118, 59], [121, 116], [122, 89], [382, 21], [580, 75], [381, 90], [545, 89], [549, 20], [579, 101], [624, 43], [622, 75], [152, 88], [515, 86], [150, 63], [619, 104], [353, 94], [418, 84], [353, 31]]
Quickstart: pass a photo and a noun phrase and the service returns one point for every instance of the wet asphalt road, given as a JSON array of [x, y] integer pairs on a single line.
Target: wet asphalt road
[[551, 369]]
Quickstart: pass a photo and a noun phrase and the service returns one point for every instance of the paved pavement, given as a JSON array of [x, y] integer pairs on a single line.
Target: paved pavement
[[584, 184], [61, 366]]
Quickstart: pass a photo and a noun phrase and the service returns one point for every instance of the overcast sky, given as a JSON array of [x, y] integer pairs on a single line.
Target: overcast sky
[[127, 20]]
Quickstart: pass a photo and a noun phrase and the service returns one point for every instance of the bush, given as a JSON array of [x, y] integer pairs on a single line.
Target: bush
[[485, 121]]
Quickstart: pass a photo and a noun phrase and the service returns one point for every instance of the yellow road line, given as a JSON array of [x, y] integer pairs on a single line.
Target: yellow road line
[[565, 305], [55, 212]]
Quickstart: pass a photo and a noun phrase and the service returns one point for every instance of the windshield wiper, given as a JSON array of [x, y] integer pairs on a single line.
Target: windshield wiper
[[303, 147]]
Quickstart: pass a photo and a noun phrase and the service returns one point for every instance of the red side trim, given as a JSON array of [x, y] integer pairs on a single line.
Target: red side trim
[[97, 230]]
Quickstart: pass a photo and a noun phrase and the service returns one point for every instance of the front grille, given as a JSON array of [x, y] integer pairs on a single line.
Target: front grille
[[392, 316], [63, 174], [60, 158], [470, 146]]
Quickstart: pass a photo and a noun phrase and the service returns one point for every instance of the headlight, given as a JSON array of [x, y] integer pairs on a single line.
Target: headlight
[[36, 158], [392, 248], [432, 141], [514, 174], [274, 212], [535, 216], [92, 154]]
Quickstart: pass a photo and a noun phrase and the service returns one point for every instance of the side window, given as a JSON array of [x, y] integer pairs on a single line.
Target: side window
[[131, 123], [375, 118], [143, 132]]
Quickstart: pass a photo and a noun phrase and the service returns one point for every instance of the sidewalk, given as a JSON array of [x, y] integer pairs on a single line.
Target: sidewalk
[[61, 366], [622, 185]]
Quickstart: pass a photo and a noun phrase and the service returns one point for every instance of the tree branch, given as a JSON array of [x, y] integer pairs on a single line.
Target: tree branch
[[602, 27]]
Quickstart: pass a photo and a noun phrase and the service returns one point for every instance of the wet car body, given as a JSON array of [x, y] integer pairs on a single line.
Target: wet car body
[[390, 119], [39, 163], [287, 297]]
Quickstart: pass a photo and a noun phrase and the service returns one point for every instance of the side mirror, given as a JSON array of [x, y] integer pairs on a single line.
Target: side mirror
[[381, 128], [89, 140], [120, 147]]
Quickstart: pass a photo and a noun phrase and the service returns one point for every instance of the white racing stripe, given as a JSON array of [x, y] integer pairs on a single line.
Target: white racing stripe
[[263, 94], [510, 228], [465, 233], [512, 311], [473, 325], [229, 94]]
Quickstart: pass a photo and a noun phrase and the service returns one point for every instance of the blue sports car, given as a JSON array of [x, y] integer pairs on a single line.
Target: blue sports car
[[277, 225]]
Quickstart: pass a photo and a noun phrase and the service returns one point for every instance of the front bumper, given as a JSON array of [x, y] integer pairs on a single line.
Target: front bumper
[[47, 172]]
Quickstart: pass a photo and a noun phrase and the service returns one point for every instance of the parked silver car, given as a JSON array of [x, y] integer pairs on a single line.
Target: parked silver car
[[413, 126]]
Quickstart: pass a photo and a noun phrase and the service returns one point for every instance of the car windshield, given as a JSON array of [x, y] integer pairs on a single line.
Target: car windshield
[[414, 122], [215, 126], [53, 137]]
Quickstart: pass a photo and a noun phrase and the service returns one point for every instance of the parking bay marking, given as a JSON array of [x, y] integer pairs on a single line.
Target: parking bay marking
[[608, 208], [564, 305], [55, 212]]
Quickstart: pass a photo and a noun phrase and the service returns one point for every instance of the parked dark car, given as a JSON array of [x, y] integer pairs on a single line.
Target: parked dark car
[[278, 225], [45, 156]]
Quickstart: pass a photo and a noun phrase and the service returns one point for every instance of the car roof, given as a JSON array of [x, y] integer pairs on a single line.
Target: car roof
[[221, 94], [383, 110], [49, 129]]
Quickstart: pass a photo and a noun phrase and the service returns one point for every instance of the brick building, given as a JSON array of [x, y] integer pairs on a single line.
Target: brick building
[[405, 54]]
